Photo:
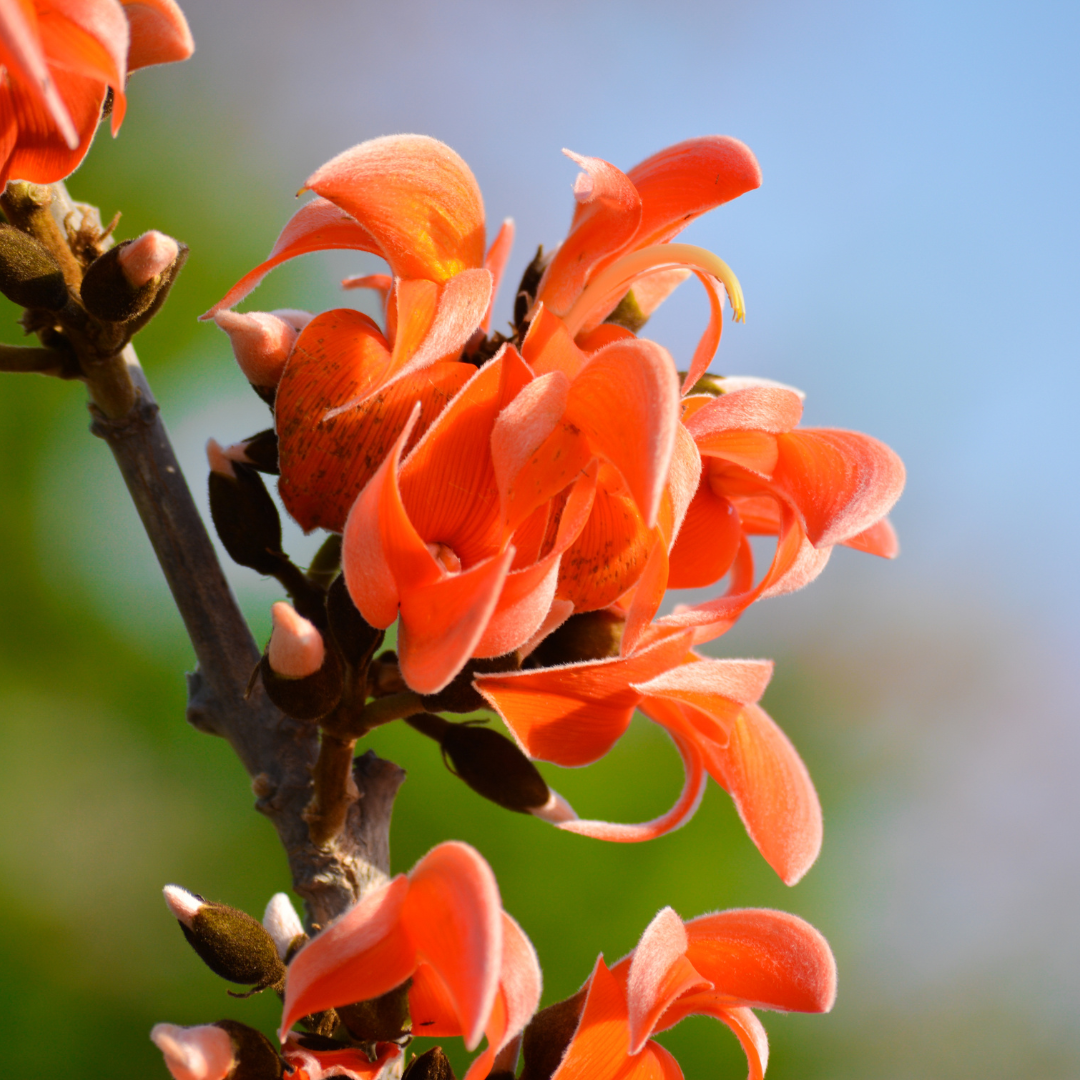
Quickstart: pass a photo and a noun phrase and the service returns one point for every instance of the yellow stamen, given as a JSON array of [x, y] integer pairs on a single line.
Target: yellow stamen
[[613, 281]]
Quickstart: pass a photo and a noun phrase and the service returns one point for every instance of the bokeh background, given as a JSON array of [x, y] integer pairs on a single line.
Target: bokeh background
[[910, 262]]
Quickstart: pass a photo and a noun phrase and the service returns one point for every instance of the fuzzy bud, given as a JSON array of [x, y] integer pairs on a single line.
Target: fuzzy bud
[[354, 635], [262, 341], [230, 942], [434, 1065], [488, 762], [283, 925], [302, 677], [195, 1053], [148, 257], [29, 275], [127, 281], [592, 635], [260, 451], [296, 647], [244, 514]]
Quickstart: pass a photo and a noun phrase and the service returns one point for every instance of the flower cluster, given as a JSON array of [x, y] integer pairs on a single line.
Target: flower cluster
[[519, 504]]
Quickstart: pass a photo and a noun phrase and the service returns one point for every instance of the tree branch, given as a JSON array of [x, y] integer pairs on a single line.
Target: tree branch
[[277, 752]]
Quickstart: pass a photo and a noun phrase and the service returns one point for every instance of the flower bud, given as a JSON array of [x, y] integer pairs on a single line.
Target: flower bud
[[29, 275], [256, 1058], [230, 942], [129, 280], [592, 635], [283, 925], [548, 1034], [301, 676], [353, 634], [244, 514], [459, 695], [195, 1053], [434, 1065], [488, 762], [262, 341], [260, 451], [381, 1019]]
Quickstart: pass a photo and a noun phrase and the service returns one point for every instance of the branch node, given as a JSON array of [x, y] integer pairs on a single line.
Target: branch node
[[142, 415]]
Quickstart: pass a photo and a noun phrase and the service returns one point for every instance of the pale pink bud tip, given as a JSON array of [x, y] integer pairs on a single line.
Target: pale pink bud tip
[[195, 1053], [145, 258], [296, 647], [282, 923], [556, 810], [182, 904], [262, 340], [220, 459]]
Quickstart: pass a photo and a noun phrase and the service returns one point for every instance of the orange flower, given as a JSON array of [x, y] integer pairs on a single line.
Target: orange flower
[[574, 713], [59, 61], [473, 971], [812, 488], [718, 965], [347, 388]]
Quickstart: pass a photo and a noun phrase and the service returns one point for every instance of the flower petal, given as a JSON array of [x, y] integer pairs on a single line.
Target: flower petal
[[626, 400], [742, 1021], [707, 542], [684, 809], [879, 539], [159, 33], [495, 261], [763, 958], [548, 345], [363, 954], [317, 226], [713, 686], [605, 220], [416, 197], [842, 481], [659, 973], [772, 791], [573, 714], [598, 1050], [454, 918], [756, 408]]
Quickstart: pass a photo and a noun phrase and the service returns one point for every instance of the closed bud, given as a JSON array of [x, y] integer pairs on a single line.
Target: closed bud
[[262, 341], [29, 275], [230, 942], [548, 1034], [488, 762], [131, 279], [283, 925], [260, 451], [301, 676], [592, 635], [434, 1065], [256, 1058], [244, 514], [381, 1019], [353, 634]]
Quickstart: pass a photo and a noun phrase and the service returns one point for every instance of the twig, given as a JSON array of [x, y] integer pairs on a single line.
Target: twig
[[277, 752]]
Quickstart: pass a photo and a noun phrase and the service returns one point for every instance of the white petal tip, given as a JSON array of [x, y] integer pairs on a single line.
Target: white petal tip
[[183, 904]]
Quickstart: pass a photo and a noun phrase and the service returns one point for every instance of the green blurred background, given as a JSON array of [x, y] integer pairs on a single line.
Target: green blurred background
[[910, 262]]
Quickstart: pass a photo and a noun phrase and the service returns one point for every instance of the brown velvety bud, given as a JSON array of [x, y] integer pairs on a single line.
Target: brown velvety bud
[[244, 514], [592, 635], [29, 275], [353, 634], [116, 289], [256, 1058], [434, 1065], [382, 1019], [307, 698], [261, 451], [460, 696], [548, 1035], [230, 942]]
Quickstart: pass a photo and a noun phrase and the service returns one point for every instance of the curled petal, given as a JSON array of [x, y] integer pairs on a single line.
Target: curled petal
[[659, 974], [606, 219], [159, 33], [195, 1053], [773, 409], [318, 226], [683, 810], [879, 539], [520, 980], [712, 685], [742, 1021], [707, 542], [765, 959], [454, 917], [416, 197], [548, 345], [772, 791], [688, 179], [842, 482], [495, 261]]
